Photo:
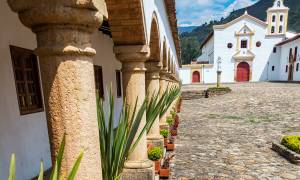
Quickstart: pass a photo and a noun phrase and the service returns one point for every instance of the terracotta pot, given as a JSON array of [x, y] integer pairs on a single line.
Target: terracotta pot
[[176, 124], [170, 147], [165, 142], [157, 166], [164, 172], [149, 146]]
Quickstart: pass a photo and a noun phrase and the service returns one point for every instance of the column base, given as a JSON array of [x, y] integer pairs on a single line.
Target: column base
[[164, 126], [156, 141], [134, 172]]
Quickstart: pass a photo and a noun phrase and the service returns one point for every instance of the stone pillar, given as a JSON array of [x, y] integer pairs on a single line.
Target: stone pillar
[[164, 84], [63, 30], [152, 86], [133, 58]]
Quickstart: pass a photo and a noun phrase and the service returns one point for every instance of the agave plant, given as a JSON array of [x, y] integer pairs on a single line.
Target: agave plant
[[56, 170], [116, 144]]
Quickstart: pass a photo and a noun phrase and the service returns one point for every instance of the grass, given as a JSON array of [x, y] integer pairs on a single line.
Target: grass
[[218, 116], [259, 119]]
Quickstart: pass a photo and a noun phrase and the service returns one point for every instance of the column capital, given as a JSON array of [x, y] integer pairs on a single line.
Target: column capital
[[40, 13], [153, 70], [62, 27], [132, 53]]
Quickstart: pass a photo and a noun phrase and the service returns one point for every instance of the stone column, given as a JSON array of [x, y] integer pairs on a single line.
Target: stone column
[[152, 86], [63, 30], [164, 84], [133, 58]]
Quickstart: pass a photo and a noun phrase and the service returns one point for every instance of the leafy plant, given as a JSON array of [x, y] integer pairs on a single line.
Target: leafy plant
[[155, 153], [164, 133], [158, 105], [116, 144], [170, 121], [169, 96], [56, 171]]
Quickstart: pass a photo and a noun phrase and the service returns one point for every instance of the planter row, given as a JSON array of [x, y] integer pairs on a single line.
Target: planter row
[[162, 166]]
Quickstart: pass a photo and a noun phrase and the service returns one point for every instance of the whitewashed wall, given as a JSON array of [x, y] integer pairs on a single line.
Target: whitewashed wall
[[27, 135], [262, 54], [158, 6], [274, 61], [208, 51], [105, 57], [185, 75], [285, 51]]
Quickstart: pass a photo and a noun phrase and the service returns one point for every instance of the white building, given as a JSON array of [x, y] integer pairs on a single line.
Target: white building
[[245, 49]]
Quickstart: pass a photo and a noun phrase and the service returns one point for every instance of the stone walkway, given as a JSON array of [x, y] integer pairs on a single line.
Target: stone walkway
[[229, 137]]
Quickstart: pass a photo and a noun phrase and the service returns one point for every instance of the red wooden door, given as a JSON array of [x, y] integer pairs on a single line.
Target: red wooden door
[[243, 72], [196, 77]]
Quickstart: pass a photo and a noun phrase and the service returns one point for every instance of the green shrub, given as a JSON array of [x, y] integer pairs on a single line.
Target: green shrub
[[155, 153], [292, 143], [170, 121], [220, 89], [164, 133]]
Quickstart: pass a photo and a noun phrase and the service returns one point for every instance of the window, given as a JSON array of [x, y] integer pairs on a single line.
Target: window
[[27, 80], [273, 68], [273, 18], [119, 84], [295, 54], [278, 4], [244, 44], [280, 29], [281, 18], [99, 81], [274, 50], [286, 68], [258, 44], [291, 58], [273, 29], [229, 45], [297, 67]]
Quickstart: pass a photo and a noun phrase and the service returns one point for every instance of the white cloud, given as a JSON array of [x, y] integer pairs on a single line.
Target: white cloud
[[197, 12]]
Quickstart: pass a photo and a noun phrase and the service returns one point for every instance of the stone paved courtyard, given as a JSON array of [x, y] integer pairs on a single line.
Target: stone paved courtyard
[[229, 137]]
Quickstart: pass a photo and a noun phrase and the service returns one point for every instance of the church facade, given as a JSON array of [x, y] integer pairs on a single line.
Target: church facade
[[245, 50]]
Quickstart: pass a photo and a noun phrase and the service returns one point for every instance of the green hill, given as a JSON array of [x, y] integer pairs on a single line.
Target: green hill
[[190, 41]]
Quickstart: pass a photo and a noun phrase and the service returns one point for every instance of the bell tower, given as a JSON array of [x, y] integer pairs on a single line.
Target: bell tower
[[277, 18]]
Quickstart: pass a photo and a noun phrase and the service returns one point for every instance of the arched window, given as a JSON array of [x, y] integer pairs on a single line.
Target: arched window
[[273, 29], [280, 29], [278, 4], [281, 18], [273, 18]]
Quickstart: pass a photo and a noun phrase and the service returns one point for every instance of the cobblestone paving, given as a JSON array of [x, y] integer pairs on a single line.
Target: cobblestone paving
[[229, 137]]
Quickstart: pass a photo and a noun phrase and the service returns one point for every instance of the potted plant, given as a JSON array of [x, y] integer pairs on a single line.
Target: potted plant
[[155, 155], [171, 145], [165, 169], [165, 134], [170, 121]]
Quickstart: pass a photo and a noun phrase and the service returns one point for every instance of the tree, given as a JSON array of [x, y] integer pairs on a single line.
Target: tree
[[190, 49]]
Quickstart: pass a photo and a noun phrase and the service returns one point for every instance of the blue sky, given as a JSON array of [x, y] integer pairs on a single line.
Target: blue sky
[[197, 12]]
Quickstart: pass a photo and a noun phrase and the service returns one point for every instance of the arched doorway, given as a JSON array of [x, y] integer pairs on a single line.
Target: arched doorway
[[243, 72], [196, 77]]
